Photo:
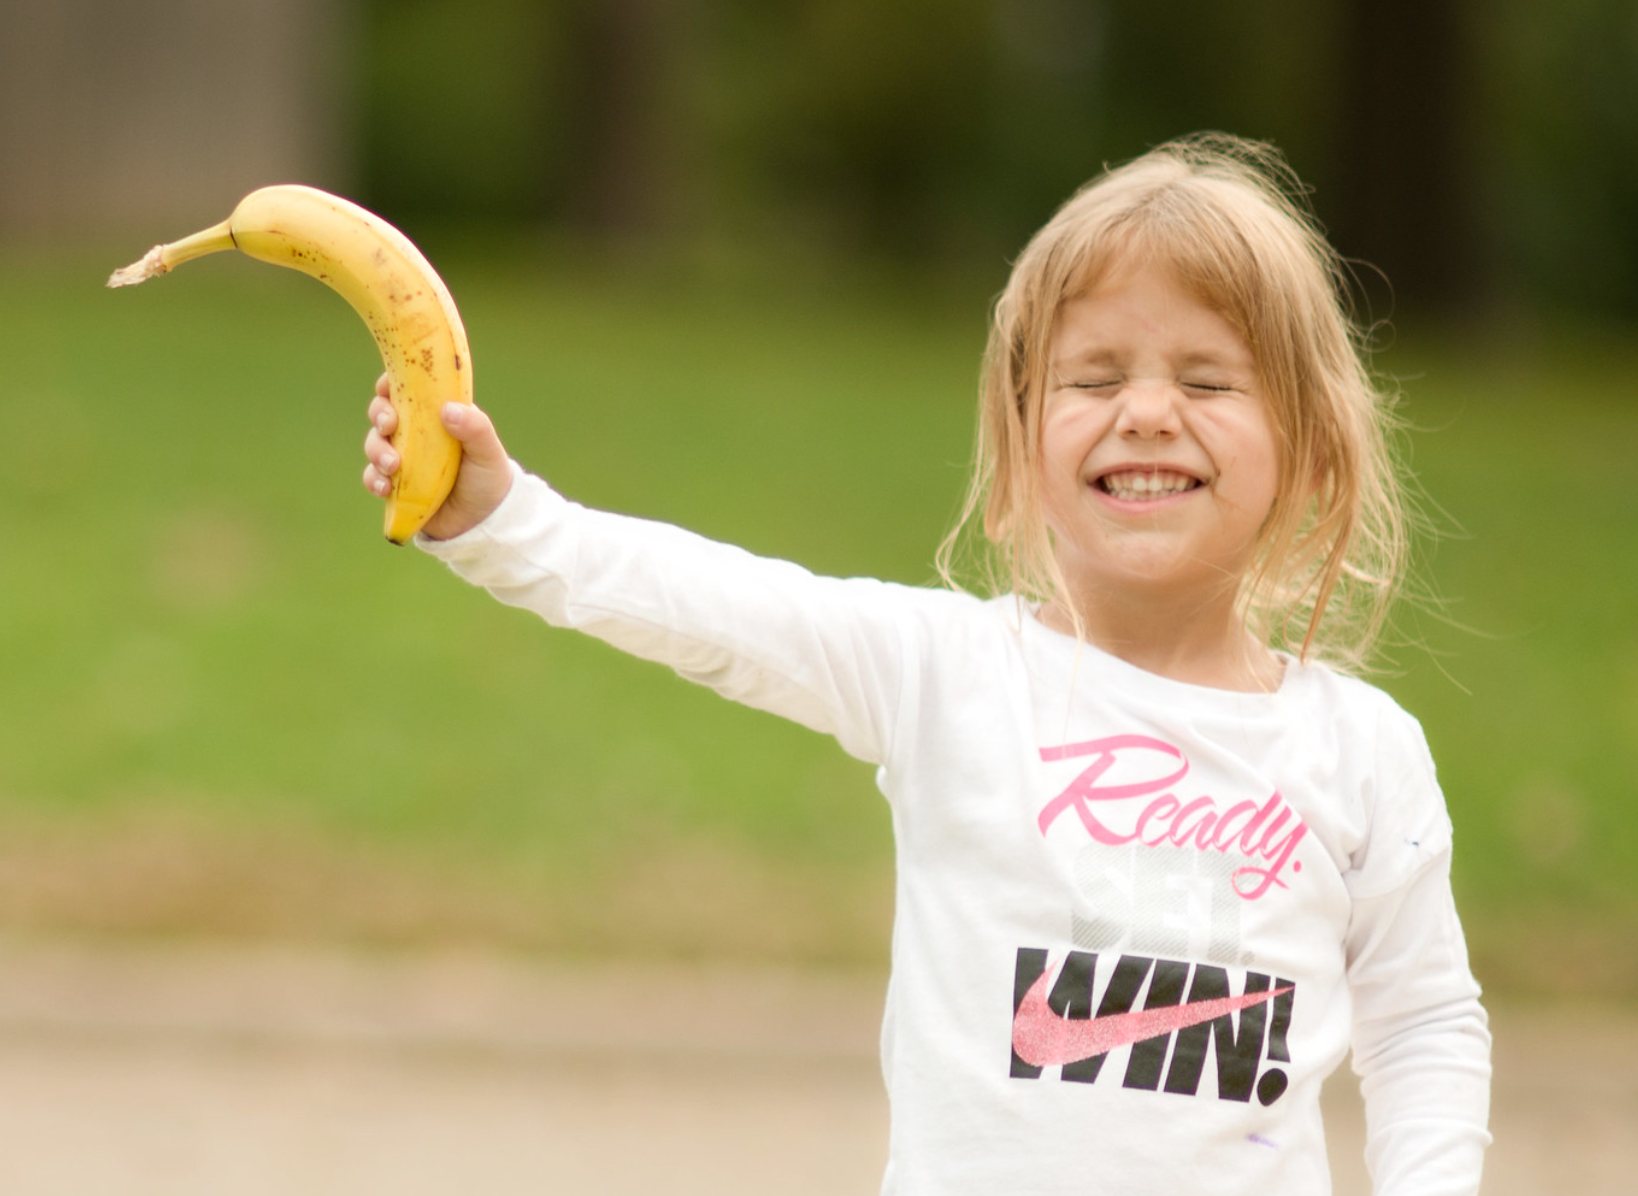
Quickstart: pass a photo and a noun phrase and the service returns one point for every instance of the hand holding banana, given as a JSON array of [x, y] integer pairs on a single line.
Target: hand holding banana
[[415, 444], [485, 475]]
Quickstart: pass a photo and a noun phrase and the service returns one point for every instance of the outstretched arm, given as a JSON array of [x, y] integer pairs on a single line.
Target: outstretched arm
[[822, 652]]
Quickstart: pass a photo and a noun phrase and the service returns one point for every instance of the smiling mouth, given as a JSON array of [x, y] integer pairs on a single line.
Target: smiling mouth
[[1136, 485]]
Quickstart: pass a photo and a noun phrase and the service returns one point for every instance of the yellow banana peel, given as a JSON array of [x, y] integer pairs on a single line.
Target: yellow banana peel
[[392, 286]]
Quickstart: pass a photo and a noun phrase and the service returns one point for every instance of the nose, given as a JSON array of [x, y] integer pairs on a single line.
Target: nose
[[1149, 410]]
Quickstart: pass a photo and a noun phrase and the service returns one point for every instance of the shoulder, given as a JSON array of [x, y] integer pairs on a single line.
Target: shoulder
[[1385, 766], [942, 607], [1368, 714], [958, 637]]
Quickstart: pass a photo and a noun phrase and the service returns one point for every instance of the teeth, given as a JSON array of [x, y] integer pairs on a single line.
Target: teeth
[[1136, 486]]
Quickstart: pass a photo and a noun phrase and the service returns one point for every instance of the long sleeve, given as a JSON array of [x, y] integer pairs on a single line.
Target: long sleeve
[[823, 652], [1421, 1044]]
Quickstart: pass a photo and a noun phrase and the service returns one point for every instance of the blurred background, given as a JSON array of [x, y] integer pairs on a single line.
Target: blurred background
[[727, 263], [320, 871]]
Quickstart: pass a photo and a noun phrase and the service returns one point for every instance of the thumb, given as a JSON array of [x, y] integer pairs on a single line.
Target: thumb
[[485, 474], [476, 432]]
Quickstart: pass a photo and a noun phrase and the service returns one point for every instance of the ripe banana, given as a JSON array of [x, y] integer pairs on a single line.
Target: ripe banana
[[391, 285]]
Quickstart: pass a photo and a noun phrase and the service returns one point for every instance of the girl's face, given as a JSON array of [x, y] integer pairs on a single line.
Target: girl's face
[[1159, 461]]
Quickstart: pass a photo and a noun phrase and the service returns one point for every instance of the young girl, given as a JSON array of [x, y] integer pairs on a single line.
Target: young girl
[[1159, 867]]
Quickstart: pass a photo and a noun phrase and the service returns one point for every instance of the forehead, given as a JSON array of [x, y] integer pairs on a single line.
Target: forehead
[[1146, 308]]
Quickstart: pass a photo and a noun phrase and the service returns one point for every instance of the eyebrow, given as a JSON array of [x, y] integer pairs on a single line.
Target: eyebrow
[[1237, 360], [1096, 355]]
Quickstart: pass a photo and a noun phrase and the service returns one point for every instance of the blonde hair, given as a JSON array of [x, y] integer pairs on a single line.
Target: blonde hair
[[1228, 218]]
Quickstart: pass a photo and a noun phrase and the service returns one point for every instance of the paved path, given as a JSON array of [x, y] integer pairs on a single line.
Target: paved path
[[141, 1071]]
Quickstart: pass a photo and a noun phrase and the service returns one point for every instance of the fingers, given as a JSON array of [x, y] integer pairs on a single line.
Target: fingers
[[383, 386], [378, 451], [375, 483], [383, 463], [383, 415]]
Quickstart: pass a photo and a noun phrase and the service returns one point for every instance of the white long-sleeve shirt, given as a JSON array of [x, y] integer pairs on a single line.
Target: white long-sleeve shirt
[[1138, 921]]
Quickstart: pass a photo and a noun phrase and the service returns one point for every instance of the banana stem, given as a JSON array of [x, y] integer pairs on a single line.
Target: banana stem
[[161, 259]]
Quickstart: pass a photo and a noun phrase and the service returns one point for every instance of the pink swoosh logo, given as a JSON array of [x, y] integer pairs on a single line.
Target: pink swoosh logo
[[1043, 1038]]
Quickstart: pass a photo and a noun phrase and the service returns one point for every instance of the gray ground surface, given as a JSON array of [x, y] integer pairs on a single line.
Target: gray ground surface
[[137, 1070]]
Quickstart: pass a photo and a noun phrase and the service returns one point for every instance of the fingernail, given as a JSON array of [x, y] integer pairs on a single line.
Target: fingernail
[[453, 413], [389, 462]]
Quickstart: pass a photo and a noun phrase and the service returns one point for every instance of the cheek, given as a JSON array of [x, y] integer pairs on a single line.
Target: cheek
[[1254, 476], [1051, 494], [1058, 475], [1050, 456], [1260, 479], [1067, 435]]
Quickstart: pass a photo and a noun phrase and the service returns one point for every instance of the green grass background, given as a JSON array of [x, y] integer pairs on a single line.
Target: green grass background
[[222, 687]]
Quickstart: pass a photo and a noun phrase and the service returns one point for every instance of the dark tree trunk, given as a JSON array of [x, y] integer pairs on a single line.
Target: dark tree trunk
[[1407, 203], [619, 83]]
